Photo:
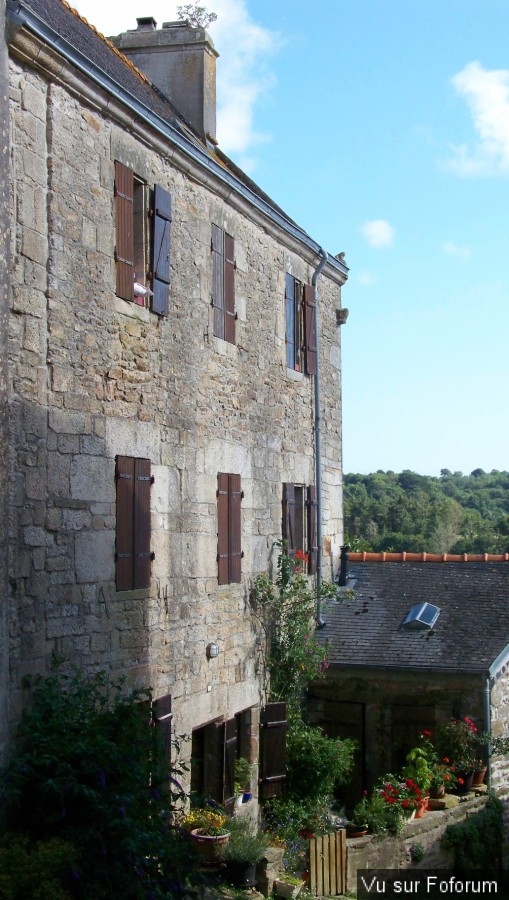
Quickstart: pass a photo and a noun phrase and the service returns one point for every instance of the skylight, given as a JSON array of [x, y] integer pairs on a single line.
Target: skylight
[[424, 615]]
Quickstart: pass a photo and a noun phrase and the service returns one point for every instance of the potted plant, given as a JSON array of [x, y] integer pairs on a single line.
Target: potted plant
[[243, 770], [244, 849], [358, 824], [458, 740], [288, 885], [208, 830]]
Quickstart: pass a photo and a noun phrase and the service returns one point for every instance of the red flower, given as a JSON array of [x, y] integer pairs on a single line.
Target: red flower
[[461, 781]]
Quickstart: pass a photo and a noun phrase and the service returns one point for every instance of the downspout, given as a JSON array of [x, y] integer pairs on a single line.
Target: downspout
[[487, 723], [318, 446]]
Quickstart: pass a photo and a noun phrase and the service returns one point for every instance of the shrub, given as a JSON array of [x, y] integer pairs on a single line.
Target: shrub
[[316, 764], [477, 842], [41, 871], [89, 768]]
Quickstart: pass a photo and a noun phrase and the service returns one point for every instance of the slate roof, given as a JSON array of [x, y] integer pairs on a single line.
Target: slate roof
[[99, 52], [364, 628]]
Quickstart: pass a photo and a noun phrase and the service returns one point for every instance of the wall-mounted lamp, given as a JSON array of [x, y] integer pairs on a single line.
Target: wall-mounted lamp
[[212, 651]]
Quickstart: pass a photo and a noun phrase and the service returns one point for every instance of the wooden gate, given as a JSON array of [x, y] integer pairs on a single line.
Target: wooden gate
[[327, 864]]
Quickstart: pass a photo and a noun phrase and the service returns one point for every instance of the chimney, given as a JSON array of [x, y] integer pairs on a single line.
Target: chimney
[[343, 570], [180, 61]]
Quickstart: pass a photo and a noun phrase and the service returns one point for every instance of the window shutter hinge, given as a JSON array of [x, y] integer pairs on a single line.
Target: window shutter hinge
[[242, 554], [152, 555], [242, 495]]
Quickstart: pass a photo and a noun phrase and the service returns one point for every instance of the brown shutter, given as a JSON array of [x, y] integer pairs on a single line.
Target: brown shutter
[[229, 289], [312, 530], [290, 320], [229, 757], [289, 518], [124, 217], [162, 716], [141, 514], [213, 761], [222, 528], [161, 251], [124, 523], [310, 327], [218, 280], [273, 727], [234, 529]]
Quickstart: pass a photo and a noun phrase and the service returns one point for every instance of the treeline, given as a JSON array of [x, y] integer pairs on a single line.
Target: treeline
[[454, 513]]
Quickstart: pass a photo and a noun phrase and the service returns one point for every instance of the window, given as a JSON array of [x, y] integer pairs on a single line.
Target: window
[[223, 284], [299, 524], [215, 747], [229, 552], [133, 556], [142, 253], [300, 311]]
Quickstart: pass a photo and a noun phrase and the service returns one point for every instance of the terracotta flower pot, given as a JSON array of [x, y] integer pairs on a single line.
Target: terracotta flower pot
[[210, 847], [478, 778], [436, 793], [421, 808]]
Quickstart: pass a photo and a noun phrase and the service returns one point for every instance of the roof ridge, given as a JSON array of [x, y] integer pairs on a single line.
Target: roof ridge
[[107, 41], [405, 556]]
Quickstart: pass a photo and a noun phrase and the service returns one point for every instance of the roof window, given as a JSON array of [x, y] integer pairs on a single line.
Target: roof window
[[423, 615]]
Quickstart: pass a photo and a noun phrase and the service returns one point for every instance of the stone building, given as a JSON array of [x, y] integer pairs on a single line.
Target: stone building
[[173, 379], [417, 638]]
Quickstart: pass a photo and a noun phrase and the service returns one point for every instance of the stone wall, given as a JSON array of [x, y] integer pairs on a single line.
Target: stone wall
[[93, 376], [381, 852]]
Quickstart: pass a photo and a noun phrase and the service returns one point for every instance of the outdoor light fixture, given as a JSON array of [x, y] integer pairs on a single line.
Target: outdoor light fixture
[[212, 651]]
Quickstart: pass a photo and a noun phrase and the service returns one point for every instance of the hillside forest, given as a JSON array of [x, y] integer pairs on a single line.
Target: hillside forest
[[452, 513]]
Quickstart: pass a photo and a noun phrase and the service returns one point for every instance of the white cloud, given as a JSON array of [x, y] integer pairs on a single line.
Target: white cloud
[[487, 95], [367, 279], [243, 73], [378, 233], [453, 249]]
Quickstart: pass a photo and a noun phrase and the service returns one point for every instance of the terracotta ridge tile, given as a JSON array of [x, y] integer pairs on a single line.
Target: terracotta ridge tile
[[407, 556]]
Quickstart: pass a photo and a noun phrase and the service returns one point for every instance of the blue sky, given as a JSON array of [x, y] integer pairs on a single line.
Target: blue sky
[[382, 127]]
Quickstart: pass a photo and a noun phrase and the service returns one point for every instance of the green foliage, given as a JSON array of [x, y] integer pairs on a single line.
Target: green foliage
[[197, 16], [246, 845], [316, 764], [417, 852], [89, 768], [39, 871], [293, 822], [477, 841], [380, 817], [286, 609], [453, 513]]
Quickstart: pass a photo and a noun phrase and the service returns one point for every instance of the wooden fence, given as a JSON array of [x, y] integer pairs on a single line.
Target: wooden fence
[[327, 864]]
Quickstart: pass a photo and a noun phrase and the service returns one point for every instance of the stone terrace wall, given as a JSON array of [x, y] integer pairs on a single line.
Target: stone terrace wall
[[380, 852]]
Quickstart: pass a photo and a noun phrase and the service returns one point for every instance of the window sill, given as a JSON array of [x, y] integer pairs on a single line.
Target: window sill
[[293, 375], [135, 594], [133, 310]]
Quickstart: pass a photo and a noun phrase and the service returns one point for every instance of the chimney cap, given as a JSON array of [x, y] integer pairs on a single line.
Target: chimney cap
[[146, 23]]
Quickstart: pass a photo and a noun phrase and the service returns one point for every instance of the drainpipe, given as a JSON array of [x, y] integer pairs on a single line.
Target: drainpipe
[[487, 722], [318, 446]]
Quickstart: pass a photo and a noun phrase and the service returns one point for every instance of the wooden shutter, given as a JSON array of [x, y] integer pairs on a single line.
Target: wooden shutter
[[161, 251], [218, 280], [133, 554], [290, 320], [273, 727], [312, 530], [162, 716], [124, 219], [229, 289], [124, 523], [222, 528], [289, 518], [229, 757], [234, 529], [310, 329], [142, 555]]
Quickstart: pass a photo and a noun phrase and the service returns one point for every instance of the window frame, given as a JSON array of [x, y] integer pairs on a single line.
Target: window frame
[[300, 326], [143, 240], [299, 524]]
